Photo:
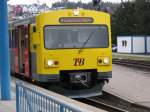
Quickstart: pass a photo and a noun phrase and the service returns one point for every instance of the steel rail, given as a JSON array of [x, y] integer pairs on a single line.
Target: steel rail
[[132, 63], [127, 102], [101, 105]]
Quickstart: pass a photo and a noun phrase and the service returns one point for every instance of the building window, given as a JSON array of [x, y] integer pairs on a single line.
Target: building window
[[124, 43]]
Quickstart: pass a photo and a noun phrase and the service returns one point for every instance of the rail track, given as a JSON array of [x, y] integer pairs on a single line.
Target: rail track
[[101, 105], [133, 63], [114, 103]]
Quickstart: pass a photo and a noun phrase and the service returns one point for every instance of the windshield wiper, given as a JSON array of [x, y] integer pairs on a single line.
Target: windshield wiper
[[84, 44]]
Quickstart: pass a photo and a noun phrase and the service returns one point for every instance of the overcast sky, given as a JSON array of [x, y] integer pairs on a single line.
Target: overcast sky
[[49, 2]]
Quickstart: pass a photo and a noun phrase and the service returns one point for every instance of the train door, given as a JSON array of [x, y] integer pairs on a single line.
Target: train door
[[10, 48], [15, 49], [23, 50], [12, 57], [27, 52]]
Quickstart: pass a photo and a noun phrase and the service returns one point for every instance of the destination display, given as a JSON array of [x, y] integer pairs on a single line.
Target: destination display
[[76, 20]]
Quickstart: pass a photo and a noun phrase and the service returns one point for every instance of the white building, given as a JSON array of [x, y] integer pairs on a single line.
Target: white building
[[133, 44], [148, 44]]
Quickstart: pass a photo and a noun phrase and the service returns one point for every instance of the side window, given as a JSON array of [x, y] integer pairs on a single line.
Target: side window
[[13, 38], [26, 36], [10, 38], [16, 38], [124, 43]]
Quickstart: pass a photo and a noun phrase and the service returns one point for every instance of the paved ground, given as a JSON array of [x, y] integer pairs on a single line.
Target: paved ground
[[9, 106], [131, 84]]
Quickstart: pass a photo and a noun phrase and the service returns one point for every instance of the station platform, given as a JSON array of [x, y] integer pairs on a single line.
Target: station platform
[[130, 84], [10, 106], [142, 57]]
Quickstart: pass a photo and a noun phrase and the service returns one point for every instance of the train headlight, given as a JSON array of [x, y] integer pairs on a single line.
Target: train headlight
[[106, 60], [76, 12], [50, 62], [99, 61]]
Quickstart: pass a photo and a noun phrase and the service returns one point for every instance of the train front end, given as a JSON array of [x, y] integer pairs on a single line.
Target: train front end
[[74, 51]]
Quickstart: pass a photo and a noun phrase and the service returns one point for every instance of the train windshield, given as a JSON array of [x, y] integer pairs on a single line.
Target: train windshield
[[57, 37]]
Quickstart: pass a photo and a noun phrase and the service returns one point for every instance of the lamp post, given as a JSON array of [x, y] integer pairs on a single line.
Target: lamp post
[[135, 30], [96, 2], [4, 52]]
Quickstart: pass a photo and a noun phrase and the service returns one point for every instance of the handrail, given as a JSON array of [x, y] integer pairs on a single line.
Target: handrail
[[30, 98]]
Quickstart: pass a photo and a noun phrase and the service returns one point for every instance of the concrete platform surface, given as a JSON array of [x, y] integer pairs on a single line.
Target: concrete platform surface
[[9, 106], [131, 84]]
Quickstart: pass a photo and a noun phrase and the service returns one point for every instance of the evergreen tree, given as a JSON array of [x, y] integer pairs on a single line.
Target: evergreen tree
[[132, 18]]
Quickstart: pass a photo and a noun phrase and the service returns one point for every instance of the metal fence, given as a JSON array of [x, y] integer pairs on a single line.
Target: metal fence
[[28, 99]]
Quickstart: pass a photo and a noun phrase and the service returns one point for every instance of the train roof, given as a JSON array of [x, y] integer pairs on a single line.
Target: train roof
[[23, 21], [30, 20], [80, 9]]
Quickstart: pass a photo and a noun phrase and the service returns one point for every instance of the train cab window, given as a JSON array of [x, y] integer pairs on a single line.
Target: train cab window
[[75, 37]]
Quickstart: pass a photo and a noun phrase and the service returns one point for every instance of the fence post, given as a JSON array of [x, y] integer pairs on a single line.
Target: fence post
[[17, 97], [61, 108], [29, 101]]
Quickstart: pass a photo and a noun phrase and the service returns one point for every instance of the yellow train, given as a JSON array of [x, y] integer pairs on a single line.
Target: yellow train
[[68, 48]]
